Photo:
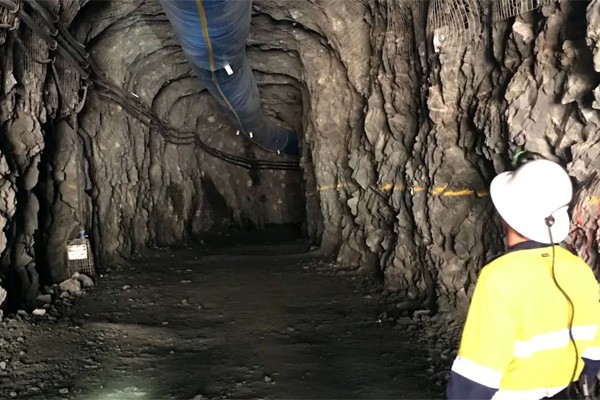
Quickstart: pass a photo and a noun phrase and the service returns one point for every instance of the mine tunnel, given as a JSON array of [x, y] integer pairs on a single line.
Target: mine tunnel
[[271, 198]]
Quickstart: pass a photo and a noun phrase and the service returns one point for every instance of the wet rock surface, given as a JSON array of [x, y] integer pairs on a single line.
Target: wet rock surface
[[237, 323]]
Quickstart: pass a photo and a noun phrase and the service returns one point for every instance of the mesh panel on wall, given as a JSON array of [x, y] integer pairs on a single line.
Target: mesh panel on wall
[[460, 20], [36, 49], [400, 36], [69, 84], [505, 9], [342, 9], [51, 96], [7, 69], [33, 73]]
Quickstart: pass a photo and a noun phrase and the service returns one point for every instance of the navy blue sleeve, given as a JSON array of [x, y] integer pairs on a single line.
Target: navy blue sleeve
[[461, 388], [591, 368]]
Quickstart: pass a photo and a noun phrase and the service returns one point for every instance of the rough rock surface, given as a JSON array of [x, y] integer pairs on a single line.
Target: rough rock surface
[[411, 134], [71, 285], [407, 113]]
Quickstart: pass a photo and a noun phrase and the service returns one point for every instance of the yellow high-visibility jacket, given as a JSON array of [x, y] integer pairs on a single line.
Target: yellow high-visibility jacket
[[516, 342]]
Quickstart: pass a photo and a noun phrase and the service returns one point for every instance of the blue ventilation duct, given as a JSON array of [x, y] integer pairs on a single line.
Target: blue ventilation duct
[[213, 36]]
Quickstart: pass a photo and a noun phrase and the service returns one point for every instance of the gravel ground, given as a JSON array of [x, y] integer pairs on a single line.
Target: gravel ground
[[243, 322]]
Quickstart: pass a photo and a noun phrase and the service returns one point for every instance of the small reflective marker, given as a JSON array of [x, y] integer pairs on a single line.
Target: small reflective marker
[[279, 152], [228, 69], [135, 95], [251, 135], [237, 133]]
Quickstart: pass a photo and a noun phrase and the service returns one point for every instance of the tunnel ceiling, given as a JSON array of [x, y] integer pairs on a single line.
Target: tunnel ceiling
[[406, 110]]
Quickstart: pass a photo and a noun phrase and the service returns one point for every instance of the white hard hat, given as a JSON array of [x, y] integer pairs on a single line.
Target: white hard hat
[[535, 191]]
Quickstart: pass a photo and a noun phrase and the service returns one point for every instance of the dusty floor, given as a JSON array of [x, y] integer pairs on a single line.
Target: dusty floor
[[238, 323]]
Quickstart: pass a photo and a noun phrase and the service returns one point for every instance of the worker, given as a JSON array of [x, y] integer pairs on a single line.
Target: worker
[[533, 324]]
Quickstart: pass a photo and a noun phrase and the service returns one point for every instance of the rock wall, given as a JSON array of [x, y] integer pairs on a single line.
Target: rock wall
[[408, 127], [29, 101], [73, 159], [148, 192], [407, 110]]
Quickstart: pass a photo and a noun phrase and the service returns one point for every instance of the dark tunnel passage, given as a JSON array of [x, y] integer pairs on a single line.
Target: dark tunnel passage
[[161, 238]]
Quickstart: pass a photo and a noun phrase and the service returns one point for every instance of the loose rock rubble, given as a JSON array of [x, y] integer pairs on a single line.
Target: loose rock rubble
[[75, 284], [53, 305], [440, 333], [39, 312], [56, 297], [70, 286], [86, 281]]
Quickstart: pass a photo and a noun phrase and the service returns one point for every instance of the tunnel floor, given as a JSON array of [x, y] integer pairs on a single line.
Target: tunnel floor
[[243, 322]]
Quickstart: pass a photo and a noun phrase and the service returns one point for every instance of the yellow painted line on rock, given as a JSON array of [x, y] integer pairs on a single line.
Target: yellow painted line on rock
[[391, 186], [331, 187], [436, 191], [465, 192], [442, 191], [592, 201]]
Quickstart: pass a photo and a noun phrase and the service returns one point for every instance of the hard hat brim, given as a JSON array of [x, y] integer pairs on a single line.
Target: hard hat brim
[[527, 222]]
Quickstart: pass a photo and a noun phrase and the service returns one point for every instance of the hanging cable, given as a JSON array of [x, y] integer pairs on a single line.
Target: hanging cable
[[549, 224], [31, 24], [12, 8]]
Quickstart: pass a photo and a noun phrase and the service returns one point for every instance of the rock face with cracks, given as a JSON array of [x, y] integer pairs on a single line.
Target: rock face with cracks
[[406, 114]]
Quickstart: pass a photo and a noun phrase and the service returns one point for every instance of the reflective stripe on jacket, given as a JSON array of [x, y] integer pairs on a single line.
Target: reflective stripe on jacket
[[516, 343]]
